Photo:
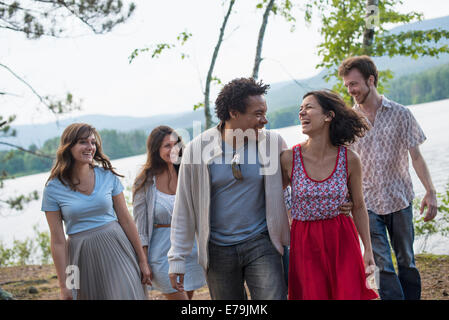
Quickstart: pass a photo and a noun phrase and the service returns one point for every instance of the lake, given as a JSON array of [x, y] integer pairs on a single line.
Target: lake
[[433, 117]]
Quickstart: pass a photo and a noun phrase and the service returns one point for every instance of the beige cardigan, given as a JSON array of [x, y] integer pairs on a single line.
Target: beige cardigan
[[191, 209]]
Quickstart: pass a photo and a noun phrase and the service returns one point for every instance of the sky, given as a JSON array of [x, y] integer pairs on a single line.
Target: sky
[[95, 68]]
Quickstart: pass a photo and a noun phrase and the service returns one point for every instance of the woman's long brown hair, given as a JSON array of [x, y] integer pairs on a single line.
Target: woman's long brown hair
[[63, 166], [154, 164]]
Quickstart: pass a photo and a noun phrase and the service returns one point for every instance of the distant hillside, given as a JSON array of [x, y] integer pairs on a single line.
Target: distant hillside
[[426, 86], [289, 93], [282, 95], [26, 134]]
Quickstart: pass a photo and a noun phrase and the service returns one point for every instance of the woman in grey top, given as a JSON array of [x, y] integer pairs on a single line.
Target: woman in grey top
[[153, 199]]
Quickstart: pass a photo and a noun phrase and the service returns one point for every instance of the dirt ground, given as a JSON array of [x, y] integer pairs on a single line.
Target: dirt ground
[[40, 282]]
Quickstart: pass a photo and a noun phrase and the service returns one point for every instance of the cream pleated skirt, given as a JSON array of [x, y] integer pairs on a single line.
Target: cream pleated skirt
[[107, 264]]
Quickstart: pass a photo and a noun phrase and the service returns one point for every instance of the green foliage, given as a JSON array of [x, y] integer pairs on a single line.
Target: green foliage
[[430, 85], [344, 26], [115, 145], [439, 225], [18, 202], [198, 105], [43, 245], [22, 251], [28, 251], [6, 255], [5, 127], [123, 144], [59, 106], [283, 118], [157, 49]]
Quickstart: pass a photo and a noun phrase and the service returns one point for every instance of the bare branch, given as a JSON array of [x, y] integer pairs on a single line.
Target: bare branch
[[26, 83], [56, 107], [38, 154], [212, 65], [3, 93], [258, 59], [79, 17]]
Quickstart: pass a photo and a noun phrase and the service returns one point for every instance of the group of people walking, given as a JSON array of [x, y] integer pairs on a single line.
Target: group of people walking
[[215, 211]]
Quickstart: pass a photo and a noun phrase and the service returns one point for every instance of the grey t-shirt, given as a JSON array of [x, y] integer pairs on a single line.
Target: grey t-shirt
[[237, 209]]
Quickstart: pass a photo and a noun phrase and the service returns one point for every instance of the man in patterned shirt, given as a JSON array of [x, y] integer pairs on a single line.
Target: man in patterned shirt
[[387, 185]]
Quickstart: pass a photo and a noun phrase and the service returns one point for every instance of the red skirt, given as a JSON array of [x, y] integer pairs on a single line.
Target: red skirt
[[326, 261]]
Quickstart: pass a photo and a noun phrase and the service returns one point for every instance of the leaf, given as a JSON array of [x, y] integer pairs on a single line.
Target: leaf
[[198, 105]]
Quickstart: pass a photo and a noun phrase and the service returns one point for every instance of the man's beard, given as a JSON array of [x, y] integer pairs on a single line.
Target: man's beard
[[366, 95]]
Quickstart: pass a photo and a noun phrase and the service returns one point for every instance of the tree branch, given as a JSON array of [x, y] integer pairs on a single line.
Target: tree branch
[[38, 154], [56, 107], [212, 65], [258, 59], [79, 17], [26, 83]]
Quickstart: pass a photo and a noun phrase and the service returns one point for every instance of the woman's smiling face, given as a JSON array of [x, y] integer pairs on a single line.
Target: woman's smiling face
[[168, 149], [84, 149], [311, 115]]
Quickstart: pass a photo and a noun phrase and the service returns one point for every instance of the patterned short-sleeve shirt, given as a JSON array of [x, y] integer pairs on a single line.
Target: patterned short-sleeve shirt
[[387, 184]]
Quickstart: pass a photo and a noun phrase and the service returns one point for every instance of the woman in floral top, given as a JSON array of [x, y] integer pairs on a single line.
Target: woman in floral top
[[325, 255]]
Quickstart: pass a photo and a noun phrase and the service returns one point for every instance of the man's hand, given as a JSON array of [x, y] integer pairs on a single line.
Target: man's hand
[[346, 208], [429, 201], [178, 285], [430, 198]]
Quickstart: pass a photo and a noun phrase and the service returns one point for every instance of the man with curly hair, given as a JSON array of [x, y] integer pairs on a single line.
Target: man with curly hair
[[230, 195]]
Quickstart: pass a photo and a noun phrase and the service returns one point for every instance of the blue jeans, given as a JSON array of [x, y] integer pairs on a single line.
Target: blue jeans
[[407, 283], [285, 259], [255, 261]]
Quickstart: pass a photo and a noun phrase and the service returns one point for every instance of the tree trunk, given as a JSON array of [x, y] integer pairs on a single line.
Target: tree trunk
[[260, 39], [212, 65], [368, 35]]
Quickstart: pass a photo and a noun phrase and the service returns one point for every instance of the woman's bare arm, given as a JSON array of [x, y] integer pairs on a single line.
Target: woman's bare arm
[[286, 166], [359, 211], [129, 227], [58, 250]]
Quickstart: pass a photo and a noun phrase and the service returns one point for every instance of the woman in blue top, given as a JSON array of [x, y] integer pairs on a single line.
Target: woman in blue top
[[153, 199], [102, 257]]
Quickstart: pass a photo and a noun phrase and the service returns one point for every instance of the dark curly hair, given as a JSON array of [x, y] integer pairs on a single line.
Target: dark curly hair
[[234, 94], [346, 125]]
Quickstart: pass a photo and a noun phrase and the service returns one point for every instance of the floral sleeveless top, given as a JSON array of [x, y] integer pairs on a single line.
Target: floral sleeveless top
[[318, 200]]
